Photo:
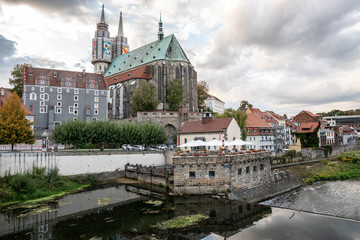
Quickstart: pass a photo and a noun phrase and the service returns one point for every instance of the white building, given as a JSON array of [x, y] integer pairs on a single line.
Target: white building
[[215, 104]]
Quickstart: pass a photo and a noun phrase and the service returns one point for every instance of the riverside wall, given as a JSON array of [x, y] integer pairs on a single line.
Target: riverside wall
[[76, 163]]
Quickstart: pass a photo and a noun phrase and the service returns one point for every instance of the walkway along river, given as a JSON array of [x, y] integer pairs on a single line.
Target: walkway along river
[[127, 212]]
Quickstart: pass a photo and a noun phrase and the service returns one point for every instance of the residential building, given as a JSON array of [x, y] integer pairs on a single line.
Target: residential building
[[208, 129], [215, 104], [158, 62], [327, 137], [259, 133], [348, 121], [4, 96], [350, 136], [60, 95]]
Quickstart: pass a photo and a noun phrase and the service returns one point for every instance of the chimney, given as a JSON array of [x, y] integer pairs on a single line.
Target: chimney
[[83, 72], [206, 117]]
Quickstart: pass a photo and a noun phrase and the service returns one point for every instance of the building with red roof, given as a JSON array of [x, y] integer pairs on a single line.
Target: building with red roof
[[209, 129], [259, 133]]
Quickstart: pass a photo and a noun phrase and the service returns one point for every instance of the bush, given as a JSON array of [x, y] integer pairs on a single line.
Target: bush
[[22, 184], [350, 157]]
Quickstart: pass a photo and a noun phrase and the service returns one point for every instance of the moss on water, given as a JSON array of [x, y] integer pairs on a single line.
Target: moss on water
[[181, 221], [155, 203]]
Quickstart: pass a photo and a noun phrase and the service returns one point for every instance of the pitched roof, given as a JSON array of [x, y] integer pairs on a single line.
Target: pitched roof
[[167, 49], [291, 124], [5, 97], [137, 73], [209, 96], [210, 125], [308, 127], [55, 77], [254, 120]]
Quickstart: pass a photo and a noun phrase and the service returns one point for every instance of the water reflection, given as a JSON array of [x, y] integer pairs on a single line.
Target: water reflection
[[119, 213]]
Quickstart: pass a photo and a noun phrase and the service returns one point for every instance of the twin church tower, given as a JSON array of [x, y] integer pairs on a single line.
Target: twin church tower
[[104, 48]]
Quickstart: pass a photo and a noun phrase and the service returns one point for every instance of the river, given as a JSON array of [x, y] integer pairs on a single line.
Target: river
[[335, 198], [127, 212]]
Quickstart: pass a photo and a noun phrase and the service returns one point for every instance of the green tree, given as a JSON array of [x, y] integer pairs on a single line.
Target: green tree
[[14, 127], [71, 133], [202, 91], [16, 79], [175, 94], [240, 118], [244, 105], [144, 98], [101, 133]]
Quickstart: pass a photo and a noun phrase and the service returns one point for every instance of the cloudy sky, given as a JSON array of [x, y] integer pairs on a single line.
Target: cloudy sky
[[280, 55]]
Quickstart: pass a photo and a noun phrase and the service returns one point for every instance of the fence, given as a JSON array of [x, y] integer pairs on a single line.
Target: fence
[[27, 147]]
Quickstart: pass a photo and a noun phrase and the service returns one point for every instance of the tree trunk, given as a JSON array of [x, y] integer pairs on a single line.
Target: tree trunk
[[12, 147]]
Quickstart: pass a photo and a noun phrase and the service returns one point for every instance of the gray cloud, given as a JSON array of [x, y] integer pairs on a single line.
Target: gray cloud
[[7, 48], [67, 7]]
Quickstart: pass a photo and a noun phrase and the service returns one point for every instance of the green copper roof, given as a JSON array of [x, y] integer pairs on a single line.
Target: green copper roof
[[166, 49]]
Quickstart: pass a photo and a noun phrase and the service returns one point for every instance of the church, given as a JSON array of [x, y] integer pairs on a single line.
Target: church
[[158, 62]]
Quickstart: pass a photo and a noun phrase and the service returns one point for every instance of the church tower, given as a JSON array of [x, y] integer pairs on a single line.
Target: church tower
[[160, 32], [101, 46], [119, 43]]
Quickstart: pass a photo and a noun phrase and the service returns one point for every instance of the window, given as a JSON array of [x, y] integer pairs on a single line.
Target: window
[[42, 89], [76, 91], [192, 175], [239, 171], [261, 167], [133, 82], [254, 169], [76, 105], [76, 98], [46, 97], [212, 174], [59, 90], [96, 99], [31, 107], [75, 118], [32, 96], [247, 169], [67, 90], [96, 112], [96, 92], [68, 84], [59, 97], [42, 103], [58, 110], [254, 130], [96, 105], [43, 109], [58, 104], [75, 112], [71, 109]]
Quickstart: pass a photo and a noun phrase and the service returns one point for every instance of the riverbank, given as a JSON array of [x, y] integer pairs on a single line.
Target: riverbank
[[39, 186], [325, 170]]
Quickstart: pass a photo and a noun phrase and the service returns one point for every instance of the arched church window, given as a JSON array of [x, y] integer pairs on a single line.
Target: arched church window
[[177, 75], [100, 67], [159, 83], [185, 84]]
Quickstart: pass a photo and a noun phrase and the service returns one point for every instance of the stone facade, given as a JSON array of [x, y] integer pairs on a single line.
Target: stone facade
[[209, 174]]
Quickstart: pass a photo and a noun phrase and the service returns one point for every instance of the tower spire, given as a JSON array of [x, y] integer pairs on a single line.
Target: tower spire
[[120, 31], [102, 18], [160, 33]]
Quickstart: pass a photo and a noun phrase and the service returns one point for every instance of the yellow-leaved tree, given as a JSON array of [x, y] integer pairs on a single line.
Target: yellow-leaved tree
[[14, 127]]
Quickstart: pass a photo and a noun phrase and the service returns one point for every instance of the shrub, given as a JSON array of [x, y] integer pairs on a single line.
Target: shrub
[[22, 184]]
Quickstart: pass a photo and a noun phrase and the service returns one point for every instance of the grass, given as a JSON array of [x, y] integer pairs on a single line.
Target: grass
[[326, 170], [181, 221], [38, 186]]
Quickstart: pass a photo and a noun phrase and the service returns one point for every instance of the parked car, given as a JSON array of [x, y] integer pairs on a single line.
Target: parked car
[[150, 148], [162, 147], [139, 147], [127, 147]]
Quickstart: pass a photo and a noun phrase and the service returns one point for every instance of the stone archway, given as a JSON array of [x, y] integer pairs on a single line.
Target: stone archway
[[170, 132]]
